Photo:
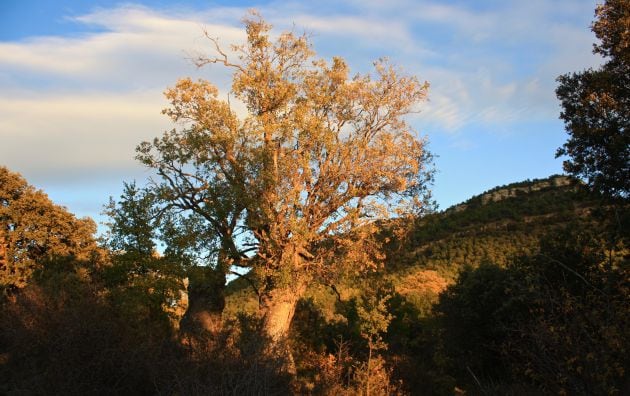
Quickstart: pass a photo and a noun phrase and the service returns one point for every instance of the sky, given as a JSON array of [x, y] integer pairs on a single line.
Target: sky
[[82, 82]]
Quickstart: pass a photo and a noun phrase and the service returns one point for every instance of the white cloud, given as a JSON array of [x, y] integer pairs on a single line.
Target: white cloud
[[86, 132], [77, 105], [366, 29], [139, 48], [492, 65]]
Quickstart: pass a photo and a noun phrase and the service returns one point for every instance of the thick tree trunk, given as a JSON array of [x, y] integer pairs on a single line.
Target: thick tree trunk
[[278, 308], [7, 279], [206, 296], [4, 260]]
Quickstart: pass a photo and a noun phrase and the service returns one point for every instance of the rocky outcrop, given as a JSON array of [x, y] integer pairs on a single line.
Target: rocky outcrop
[[500, 194], [509, 192]]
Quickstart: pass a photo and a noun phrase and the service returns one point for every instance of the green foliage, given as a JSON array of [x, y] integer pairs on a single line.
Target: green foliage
[[141, 284], [496, 226], [476, 314], [59, 336], [141, 219], [557, 320], [577, 339], [371, 313], [596, 107], [186, 279], [347, 352], [68, 333], [133, 222]]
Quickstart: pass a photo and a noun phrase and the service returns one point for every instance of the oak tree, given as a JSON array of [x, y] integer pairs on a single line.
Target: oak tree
[[139, 220], [33, 229], [296, 187]]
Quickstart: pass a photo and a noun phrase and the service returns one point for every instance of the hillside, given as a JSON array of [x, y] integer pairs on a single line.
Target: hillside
[[455, 288], [495, 226], [492, 226]]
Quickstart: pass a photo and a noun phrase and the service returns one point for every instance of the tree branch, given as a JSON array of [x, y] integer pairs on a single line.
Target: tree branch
[[201, 61], [251, 282]]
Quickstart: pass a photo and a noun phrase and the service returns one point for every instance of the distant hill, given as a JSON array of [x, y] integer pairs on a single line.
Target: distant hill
[[495, 226]]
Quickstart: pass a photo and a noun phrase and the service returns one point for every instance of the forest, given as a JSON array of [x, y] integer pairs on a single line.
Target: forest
[[293, 247]]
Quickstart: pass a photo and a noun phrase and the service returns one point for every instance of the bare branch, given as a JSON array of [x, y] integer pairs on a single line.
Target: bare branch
[[201, 61]]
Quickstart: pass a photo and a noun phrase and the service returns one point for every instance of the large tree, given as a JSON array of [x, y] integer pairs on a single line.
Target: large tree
[[33, 229], [596, 107], [294, 188]]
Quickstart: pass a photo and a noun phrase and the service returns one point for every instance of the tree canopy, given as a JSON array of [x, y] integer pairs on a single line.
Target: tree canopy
[[596, 107], [34, 229], [317, 159]]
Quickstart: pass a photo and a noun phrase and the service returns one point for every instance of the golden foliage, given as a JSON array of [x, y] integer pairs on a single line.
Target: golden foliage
[[423, 282], [33, 229], [317, 159]]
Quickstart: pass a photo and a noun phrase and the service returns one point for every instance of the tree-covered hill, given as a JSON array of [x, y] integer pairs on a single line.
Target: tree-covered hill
[[494, 227]]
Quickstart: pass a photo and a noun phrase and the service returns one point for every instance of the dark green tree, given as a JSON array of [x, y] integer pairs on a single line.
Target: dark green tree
[[140, 220], [475, 314], [133, 222], [555, 321], [596, 107]]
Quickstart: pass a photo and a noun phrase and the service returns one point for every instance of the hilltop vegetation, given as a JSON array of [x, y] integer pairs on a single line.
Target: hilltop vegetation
[[495, 226]]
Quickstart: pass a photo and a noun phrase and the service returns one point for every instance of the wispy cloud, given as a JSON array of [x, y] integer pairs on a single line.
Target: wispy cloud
[[139, 48], [75, 105], [84, 132], [491, 63]]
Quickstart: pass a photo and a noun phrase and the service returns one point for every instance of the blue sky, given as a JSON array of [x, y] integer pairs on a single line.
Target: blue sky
[[81, 82]]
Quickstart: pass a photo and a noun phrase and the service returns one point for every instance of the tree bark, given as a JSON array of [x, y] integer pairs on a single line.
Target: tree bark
[[4, 260], [278, 308]]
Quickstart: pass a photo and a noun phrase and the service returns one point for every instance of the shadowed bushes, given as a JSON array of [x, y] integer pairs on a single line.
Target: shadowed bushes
[[64, 335]]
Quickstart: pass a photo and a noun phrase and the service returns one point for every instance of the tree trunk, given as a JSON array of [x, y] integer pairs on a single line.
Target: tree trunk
[[278, 307], [7, 280], [4, 259], [206, 296]]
